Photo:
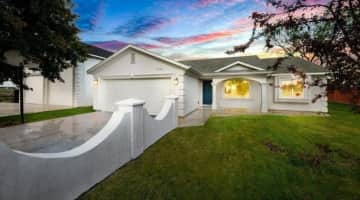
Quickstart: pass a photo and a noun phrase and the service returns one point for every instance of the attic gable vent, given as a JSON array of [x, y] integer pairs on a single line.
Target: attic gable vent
[[132, 61]]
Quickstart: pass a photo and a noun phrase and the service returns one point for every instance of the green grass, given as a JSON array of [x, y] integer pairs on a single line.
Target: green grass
[[34, 117], [247, 157]]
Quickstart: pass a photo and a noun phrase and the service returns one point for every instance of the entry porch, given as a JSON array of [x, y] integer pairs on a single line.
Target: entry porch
[[249, 94]]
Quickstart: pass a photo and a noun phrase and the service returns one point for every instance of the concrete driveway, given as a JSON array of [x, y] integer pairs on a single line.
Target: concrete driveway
[[7, 109], [58, 135], [55, 135]]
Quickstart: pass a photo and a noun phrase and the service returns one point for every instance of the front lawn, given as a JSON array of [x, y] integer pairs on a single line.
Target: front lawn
[[247, 157], [40, 116]]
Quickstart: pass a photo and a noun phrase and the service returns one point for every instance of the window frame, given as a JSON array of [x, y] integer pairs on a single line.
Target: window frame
[[278, 96], [238, 97]]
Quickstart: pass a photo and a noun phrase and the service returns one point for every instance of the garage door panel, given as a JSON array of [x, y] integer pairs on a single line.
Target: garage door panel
[[152, 91]]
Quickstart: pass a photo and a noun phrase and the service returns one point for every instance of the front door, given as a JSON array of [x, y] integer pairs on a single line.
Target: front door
[[207, 92]]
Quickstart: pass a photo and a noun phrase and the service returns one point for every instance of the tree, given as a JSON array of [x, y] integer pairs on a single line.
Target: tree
[[326, 32], [44, 34]]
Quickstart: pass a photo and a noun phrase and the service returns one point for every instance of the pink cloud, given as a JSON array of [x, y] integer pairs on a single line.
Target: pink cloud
[[244, 24], [205, 3], [177, 41], [148, 46], [307, 13]]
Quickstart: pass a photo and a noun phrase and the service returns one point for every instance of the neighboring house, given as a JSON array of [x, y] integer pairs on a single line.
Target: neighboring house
[[7, 84], [232, 82], [76, 90]]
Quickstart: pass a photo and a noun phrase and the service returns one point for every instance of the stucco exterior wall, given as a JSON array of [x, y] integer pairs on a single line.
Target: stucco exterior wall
[[61, 93], [192, 92], [321, 105], [36, 94], [83, 83], [144, 65]]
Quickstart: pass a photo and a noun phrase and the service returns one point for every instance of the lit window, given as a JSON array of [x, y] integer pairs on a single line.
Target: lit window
[[237, 89], [292, 89]]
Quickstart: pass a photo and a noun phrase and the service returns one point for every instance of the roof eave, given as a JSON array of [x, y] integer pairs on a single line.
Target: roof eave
[[96, 56], [308, 73], [208, 75]]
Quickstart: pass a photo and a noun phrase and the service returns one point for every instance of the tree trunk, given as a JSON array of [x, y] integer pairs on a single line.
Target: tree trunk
[[21, 95]]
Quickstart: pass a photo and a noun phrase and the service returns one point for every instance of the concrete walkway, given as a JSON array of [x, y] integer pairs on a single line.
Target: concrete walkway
[[55, 135], [7, 109], [196, 118], [201, 115]]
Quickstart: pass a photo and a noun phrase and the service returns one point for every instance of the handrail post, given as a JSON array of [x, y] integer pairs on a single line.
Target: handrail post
[[173, 99], [135, 107]]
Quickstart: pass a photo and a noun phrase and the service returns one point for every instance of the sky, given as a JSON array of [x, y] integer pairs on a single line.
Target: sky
[[179, 29]]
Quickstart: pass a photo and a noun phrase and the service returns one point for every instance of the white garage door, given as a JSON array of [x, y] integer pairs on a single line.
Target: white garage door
[[36, 94], [153, 91]]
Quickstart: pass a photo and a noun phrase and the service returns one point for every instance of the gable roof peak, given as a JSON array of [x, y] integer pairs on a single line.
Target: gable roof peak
[[141, 50]]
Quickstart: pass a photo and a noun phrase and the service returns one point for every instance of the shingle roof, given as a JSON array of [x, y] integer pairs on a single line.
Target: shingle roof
[[98, 51], [299, 63], [211, 65]]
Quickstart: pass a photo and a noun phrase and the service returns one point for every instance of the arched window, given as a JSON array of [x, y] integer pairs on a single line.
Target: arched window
[[237, 88]]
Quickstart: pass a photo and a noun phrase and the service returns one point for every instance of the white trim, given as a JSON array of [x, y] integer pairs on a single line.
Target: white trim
[[211, 75], [95, 56], [310, 73], [185, 67], [280, 99], [239, 63], [137, 76]]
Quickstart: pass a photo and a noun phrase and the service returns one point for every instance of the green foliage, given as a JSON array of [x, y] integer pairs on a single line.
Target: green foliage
[[323, 32], [43, 32], [230, 158]]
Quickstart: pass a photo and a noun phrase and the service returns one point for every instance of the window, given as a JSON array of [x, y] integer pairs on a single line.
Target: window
[[292, 89], [237, 89]]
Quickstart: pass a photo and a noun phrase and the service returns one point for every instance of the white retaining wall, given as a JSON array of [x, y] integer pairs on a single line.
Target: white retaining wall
[[68, 174]]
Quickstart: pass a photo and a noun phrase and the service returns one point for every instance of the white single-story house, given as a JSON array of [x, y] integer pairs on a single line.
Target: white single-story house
[[233, 82], [75, 91]]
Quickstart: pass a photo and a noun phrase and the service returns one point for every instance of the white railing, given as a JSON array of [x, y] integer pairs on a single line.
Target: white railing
[[68, 174]]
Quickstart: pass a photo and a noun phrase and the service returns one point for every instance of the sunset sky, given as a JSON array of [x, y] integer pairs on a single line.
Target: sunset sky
[[178, 29]]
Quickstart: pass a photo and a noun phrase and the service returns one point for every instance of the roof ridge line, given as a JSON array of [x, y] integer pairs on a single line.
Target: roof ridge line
[[216, 58]]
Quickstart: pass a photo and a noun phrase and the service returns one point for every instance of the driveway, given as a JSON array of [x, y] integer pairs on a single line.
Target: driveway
[[7, 109], [55, 135]]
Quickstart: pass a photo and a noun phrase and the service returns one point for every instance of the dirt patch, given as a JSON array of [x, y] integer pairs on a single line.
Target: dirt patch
[[274, 147], [315, 160], [324, 148]]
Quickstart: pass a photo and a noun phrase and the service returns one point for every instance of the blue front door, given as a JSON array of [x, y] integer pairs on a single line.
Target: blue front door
[[207, 92]]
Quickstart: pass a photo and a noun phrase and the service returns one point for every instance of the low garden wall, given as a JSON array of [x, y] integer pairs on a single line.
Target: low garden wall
[[67, 175]]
